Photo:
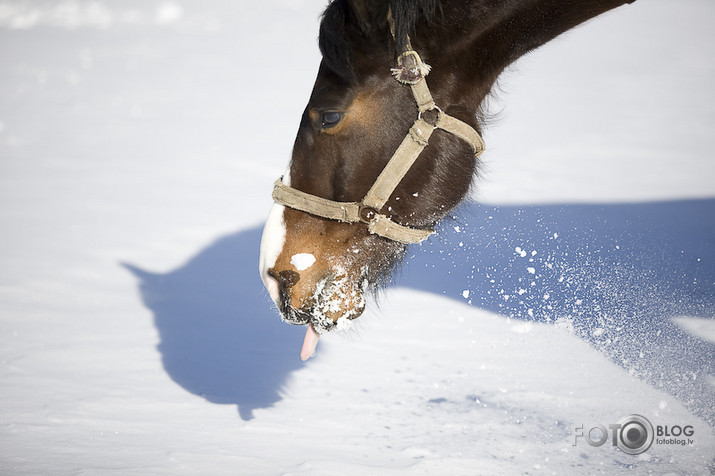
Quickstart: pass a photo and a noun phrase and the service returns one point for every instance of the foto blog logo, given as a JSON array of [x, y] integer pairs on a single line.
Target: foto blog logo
[[633, 434]]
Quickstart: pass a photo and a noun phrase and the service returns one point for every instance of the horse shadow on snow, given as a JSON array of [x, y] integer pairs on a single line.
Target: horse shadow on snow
[[221, 337], [616, 274]]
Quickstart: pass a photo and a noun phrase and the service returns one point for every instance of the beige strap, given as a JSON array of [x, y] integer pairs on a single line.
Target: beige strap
[[347, 212], [401, 161], [383, 226], [411, 147], [462, 130], [422, 95]]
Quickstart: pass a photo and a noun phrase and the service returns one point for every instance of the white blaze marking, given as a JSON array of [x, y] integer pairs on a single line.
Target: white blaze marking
[[302, 261], [272, 241]]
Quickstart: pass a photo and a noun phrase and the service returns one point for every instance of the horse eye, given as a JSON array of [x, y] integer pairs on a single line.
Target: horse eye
[[330, 119]]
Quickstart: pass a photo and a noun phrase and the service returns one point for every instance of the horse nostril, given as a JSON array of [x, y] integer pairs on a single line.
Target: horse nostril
[[289, 278], [286, 279]]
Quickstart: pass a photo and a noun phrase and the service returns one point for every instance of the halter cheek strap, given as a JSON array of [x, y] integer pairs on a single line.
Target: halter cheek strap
[[410, 70]]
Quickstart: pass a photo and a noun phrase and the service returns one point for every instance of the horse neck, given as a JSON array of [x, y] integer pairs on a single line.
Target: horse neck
[[478, 40]]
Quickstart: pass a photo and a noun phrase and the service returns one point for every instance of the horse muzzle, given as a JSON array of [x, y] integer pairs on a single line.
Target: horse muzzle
[[323, 303]]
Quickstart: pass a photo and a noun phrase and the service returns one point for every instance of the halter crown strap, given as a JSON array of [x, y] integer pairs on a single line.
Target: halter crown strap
[[402, 160], [410, 70]]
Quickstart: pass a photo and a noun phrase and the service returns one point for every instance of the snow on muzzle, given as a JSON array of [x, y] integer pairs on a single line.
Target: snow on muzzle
[[324, 304]]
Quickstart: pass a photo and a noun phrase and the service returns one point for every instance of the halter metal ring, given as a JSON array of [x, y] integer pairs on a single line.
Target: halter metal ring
[[366, 213], [433, 108]]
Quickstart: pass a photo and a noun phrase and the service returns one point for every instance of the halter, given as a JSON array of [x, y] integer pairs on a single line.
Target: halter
[[410, 70]]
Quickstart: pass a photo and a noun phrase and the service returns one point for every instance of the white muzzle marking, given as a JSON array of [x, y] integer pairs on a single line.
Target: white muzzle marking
[[272, 242]]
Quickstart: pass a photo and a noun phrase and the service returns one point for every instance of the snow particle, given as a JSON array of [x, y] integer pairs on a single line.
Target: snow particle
[[302, 261]]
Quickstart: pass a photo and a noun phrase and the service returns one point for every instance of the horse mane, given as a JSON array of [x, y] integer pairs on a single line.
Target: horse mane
[[342, 30]]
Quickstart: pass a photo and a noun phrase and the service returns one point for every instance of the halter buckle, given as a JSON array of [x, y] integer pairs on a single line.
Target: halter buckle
[[366, 213], [410, 68]]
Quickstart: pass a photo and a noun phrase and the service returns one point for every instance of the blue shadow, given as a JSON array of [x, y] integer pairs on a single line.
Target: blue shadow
[[614, 273], [221, 337]]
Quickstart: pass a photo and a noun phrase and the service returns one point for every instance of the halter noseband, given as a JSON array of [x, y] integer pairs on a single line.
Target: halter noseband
[[410, 70]]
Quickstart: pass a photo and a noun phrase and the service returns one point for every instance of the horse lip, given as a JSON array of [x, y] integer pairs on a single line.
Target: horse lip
[[313, 315], [303, 316], [297, 317]]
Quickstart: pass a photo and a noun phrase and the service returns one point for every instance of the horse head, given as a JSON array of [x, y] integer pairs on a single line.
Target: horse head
[[339, 226], [317, 269]]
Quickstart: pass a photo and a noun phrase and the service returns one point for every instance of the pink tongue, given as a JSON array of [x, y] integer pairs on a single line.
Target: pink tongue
[[309, 343]]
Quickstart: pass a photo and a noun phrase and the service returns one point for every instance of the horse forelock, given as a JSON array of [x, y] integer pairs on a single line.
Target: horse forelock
[[344, 32]]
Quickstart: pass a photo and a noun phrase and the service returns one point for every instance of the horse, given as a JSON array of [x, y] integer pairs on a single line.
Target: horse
[[389, 142]]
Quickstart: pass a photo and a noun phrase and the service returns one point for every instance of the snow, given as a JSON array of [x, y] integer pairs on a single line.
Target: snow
[[701, 328], [138, 146], [302, 261]]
